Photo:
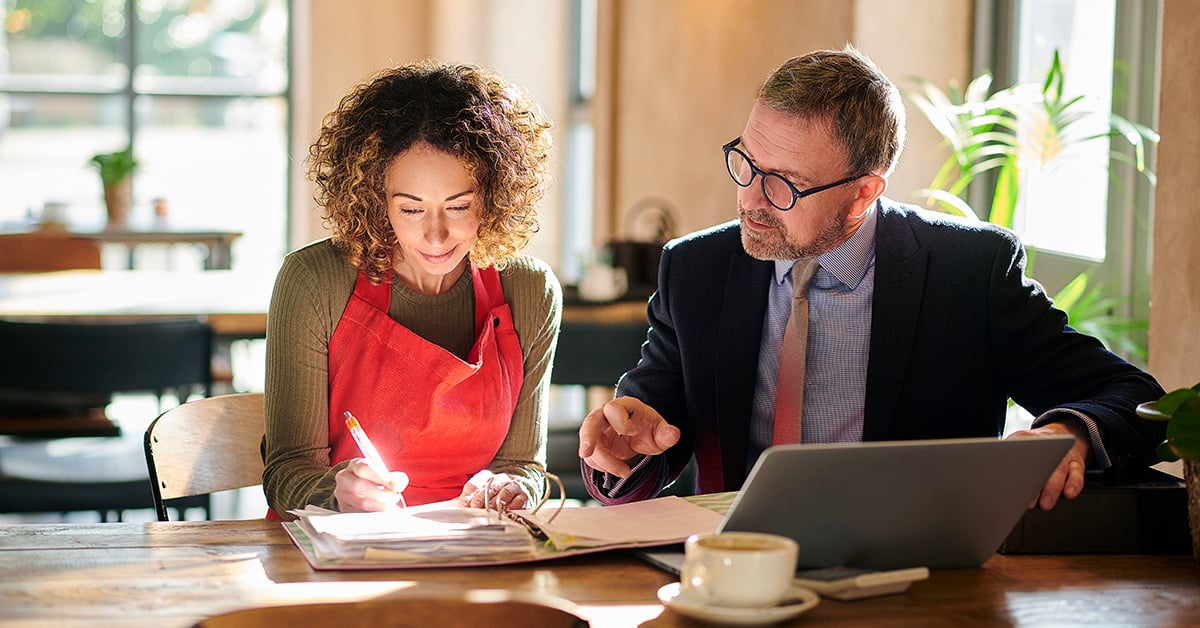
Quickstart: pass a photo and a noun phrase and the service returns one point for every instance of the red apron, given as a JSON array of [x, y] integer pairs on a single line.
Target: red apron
[[430, 414]]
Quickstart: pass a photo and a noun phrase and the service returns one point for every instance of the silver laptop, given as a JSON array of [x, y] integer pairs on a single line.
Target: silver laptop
[[890, 505]]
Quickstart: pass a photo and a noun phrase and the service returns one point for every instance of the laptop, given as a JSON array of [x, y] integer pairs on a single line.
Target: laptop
[[940, 504]]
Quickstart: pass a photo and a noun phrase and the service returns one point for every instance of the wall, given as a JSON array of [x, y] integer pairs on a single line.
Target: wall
[[685, 73], [339, 44], [1175, 280]]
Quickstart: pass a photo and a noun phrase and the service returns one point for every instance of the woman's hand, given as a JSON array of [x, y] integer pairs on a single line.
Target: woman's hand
[[497, 491], [360, 489]]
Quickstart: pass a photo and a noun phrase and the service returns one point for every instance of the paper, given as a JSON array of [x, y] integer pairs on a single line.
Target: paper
[[443, 534], [658, 521], [437, 532]]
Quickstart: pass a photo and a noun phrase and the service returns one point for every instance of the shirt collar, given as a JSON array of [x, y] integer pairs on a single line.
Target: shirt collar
[[848, 262]]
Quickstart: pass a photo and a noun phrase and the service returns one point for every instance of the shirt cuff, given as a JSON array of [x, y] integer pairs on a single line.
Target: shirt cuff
[[1093, 430]]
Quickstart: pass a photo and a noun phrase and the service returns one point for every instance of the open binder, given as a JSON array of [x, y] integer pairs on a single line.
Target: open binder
[[446, 535]]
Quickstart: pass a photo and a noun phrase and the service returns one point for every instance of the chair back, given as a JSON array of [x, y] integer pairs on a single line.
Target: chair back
[[468, 610], [596, 354], [39, 251], [205, 446], [105, 357], [56, 379]]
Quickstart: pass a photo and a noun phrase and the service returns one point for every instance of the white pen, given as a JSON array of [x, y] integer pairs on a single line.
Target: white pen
[[374, 460]]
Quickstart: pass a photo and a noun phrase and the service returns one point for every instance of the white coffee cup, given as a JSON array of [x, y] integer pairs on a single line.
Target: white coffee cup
[[739, 569], [601, 282]]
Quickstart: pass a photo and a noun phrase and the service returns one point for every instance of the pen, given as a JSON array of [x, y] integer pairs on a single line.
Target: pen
[[374, 460]]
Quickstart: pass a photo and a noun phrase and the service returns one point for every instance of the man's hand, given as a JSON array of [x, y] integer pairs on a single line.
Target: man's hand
[[615, 433], [1067, 478]]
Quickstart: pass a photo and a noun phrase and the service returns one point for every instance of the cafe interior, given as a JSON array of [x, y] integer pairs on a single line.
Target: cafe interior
[[127, 303]]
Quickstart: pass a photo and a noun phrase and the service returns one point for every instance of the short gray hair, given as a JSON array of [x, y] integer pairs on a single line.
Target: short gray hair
[[862, 105]]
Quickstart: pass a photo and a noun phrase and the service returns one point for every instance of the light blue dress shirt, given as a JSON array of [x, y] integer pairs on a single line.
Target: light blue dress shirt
[[839, 342]]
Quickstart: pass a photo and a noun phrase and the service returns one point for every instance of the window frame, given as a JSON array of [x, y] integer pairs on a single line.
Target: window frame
[[1125, 271]]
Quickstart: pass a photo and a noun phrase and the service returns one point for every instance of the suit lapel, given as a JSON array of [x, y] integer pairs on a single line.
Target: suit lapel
[[900, 267], [740, 333]]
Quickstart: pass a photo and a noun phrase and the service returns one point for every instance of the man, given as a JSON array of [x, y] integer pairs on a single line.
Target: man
[[919, 325]]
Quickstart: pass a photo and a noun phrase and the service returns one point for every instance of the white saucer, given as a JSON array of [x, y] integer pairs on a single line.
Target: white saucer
[[798, 600]]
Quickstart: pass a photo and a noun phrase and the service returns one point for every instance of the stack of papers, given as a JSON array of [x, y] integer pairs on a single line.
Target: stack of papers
[[441, 532], [444, 533]]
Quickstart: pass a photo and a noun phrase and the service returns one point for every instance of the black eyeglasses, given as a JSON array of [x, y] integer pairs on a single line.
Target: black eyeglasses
[[778, 191]]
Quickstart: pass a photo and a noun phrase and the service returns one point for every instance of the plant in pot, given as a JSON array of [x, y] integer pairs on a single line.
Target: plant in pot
[[116, 173], [1181, 410], [1021, 131]]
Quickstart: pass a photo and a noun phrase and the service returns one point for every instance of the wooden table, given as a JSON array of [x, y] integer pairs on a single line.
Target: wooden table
[[173, 574], [217, 243], [234, 302]]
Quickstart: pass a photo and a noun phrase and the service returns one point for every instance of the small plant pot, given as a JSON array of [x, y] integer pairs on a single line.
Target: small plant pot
[[118, 198]]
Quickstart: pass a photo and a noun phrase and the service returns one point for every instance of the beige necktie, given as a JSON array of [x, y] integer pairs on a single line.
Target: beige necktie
[[789, 394]]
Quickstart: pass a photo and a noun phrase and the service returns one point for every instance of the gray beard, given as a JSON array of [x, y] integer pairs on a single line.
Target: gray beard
[[778, 246]]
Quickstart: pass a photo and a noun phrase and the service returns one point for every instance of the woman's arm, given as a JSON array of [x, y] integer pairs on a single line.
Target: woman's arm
[[311, 290], [535, 298]]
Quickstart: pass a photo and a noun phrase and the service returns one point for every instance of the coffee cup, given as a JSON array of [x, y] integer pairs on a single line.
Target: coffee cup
[[738, 569], [601, 282]]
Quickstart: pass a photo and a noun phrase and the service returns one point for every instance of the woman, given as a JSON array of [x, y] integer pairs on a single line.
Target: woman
[[417, 315]]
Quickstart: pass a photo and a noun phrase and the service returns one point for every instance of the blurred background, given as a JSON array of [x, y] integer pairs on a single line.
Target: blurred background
[[220, 100]]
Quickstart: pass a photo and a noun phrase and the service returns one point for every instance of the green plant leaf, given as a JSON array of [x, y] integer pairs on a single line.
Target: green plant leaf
[[1165, 453], [114, 167], [1067, 298], [1004, 201], [1169, 403], [1183, 431]]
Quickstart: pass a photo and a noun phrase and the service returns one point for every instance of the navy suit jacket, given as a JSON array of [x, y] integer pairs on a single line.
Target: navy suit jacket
[[956, 330]]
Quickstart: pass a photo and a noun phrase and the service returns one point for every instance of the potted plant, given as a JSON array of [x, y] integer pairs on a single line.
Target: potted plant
[[1181, 410], [1011, 133], [116, 173]]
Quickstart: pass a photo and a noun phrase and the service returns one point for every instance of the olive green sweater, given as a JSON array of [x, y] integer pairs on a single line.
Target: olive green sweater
[[312, 290]]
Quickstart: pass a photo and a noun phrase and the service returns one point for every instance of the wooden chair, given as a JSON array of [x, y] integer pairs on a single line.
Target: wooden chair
[[56, 380], [468, 610], [205, 446], [39, 251]]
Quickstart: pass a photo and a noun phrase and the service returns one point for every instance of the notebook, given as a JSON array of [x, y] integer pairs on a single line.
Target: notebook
[[889, 505]]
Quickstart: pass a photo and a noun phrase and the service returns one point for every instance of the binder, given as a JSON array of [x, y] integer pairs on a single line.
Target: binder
[[569, 532]]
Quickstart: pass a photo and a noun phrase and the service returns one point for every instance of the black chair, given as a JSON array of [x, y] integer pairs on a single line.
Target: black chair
[[592, 354], [62, 453]]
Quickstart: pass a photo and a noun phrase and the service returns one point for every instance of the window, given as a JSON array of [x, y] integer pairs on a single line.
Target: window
[[1093, 214], [1064, 207], [198, 88], [580, 150]]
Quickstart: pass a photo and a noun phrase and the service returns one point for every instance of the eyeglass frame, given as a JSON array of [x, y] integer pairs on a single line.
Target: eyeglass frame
[[762, 175]]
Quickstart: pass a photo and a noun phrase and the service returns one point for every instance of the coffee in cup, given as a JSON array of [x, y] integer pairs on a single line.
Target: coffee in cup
[[739, 569]]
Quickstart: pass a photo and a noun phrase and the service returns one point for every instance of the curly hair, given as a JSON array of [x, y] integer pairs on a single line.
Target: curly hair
[[500, 135]]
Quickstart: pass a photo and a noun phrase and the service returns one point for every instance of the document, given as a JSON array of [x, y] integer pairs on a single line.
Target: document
[[444, 534], [438, 532]]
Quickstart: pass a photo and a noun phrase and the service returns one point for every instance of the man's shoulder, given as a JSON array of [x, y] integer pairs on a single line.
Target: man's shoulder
[[929, 224], [893, 213], [727, 235]]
